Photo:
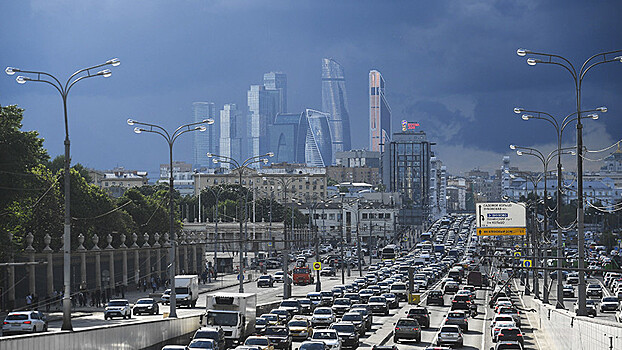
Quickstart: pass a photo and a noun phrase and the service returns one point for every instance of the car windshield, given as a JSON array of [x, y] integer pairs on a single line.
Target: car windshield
[[145, 301], [271, 317], [389, 295], [342, 302], [417, 311], [407, 323], [201, 344], [222, 318], [322, 312], [264, 277], [324, 335], [509, 347], [610, 299], [261, 321], [344, 328], [206, 335], [596, 286], [16, 317], [352, 317], [298, 324], [305, 301], [312, 346], [327, 294], [277, 331], [315, 297], [398, 287], [377, 300], [257, 341], [449, 330], [456, 315], [289, 303], [117, 303]]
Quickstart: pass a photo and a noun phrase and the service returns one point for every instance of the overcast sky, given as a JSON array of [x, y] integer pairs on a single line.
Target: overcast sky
[[449, 65]]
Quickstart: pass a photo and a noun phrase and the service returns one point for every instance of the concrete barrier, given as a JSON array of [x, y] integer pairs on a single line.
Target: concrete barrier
[[564, 330], [130, 336], [264, 308]]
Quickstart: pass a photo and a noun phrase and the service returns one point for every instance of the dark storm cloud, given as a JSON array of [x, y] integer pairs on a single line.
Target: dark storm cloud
[[451, 65]]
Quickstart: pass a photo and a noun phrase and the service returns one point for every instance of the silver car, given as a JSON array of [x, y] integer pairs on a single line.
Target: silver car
[[450, 334]]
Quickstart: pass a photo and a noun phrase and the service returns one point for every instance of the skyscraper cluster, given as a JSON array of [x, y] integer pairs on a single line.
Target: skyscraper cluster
[[311, 137]]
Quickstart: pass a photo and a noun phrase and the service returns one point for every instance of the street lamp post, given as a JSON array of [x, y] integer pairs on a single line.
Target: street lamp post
[[559, 129], [170, 140], [239, 167], [64, 89], [577, 76], [546, 159]]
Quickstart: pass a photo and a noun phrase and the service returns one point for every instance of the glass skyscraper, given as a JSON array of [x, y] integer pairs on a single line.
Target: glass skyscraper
[[231, 133], [285, 139], [379, 113], [262, 108], [409, 158], [316, 132], [335, 103], [207, 141], [277, 81]]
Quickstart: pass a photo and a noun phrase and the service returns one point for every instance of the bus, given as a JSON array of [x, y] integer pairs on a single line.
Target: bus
[[389, 252]]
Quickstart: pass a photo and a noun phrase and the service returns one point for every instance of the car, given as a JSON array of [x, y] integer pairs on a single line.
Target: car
[[260, 325], [316, 298], [378, 305], [278, 277], [327, 297], [461, 302], [450, 334], [300, 328], [400, 290], [322, 316], [272, 319], [348, 333], [391, 300], [590, 307], [594, 290], [356, 319], [146, 306], [265, 281], [313, 345], [118, 308], [328, 271], [216, 334], [511, 334], [329, 337], [451, 287], [609, 304], [367, 316], [284, 315], [202, 344], [568, 291], [499, 326], [165, 297], [458, 318], [279, 337], [341, 305], [263, 342], [573, 280], [306, 306], [24, 322], [510, 310], [292, 305], [435, 297], [407, 328], [421, 314], [365, 294]]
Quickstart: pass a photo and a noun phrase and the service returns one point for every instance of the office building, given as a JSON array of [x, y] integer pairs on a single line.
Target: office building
[[409, 161], [379, 113], [207, 141], [232, 132], [262, 108], [285, 141], [277, 81], [315, 130], [335, 103]]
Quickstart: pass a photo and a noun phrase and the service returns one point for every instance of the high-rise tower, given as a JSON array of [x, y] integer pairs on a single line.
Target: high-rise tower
[[335, 103], [315, 130], [207, 141], [277, 81], [379, 113], [262, 108], [231, 133]]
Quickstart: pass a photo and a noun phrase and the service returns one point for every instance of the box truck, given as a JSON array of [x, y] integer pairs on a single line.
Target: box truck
[[234, 312]]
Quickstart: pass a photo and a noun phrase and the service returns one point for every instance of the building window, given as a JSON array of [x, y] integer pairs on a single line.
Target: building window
[[387, 216], [331, 217], [364, 215]]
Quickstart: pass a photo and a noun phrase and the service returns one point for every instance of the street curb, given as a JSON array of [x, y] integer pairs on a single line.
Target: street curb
[[386, 339]]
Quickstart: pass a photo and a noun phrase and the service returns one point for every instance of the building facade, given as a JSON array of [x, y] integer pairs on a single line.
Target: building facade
[[262, 107], [358, 158], [410, 155], [183, 177], [335, 103], [118, 180], [379, 113], [277, 81], [315, 126], [208, 141], [285, 140]]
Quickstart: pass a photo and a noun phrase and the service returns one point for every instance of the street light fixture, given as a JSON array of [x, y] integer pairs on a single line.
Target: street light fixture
[[64, 89], [239, 167], [170, 140]]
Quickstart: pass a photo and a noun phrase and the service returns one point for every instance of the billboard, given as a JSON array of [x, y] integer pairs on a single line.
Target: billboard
[[501, 219], [406, 125]]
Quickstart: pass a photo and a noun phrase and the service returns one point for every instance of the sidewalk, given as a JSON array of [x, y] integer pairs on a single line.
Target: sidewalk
[[56, 312], [541, 338]]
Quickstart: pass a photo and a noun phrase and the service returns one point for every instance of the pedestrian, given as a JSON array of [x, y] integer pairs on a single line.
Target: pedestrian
[[153, 286], [47, 303], [28, 301], [144, 286]]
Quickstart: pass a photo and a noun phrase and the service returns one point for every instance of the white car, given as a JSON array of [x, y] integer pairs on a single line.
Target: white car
[[329, 337], [118, 308], [24, 322], [202, 344], [499, 325], [322, 316], [278, 276]]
